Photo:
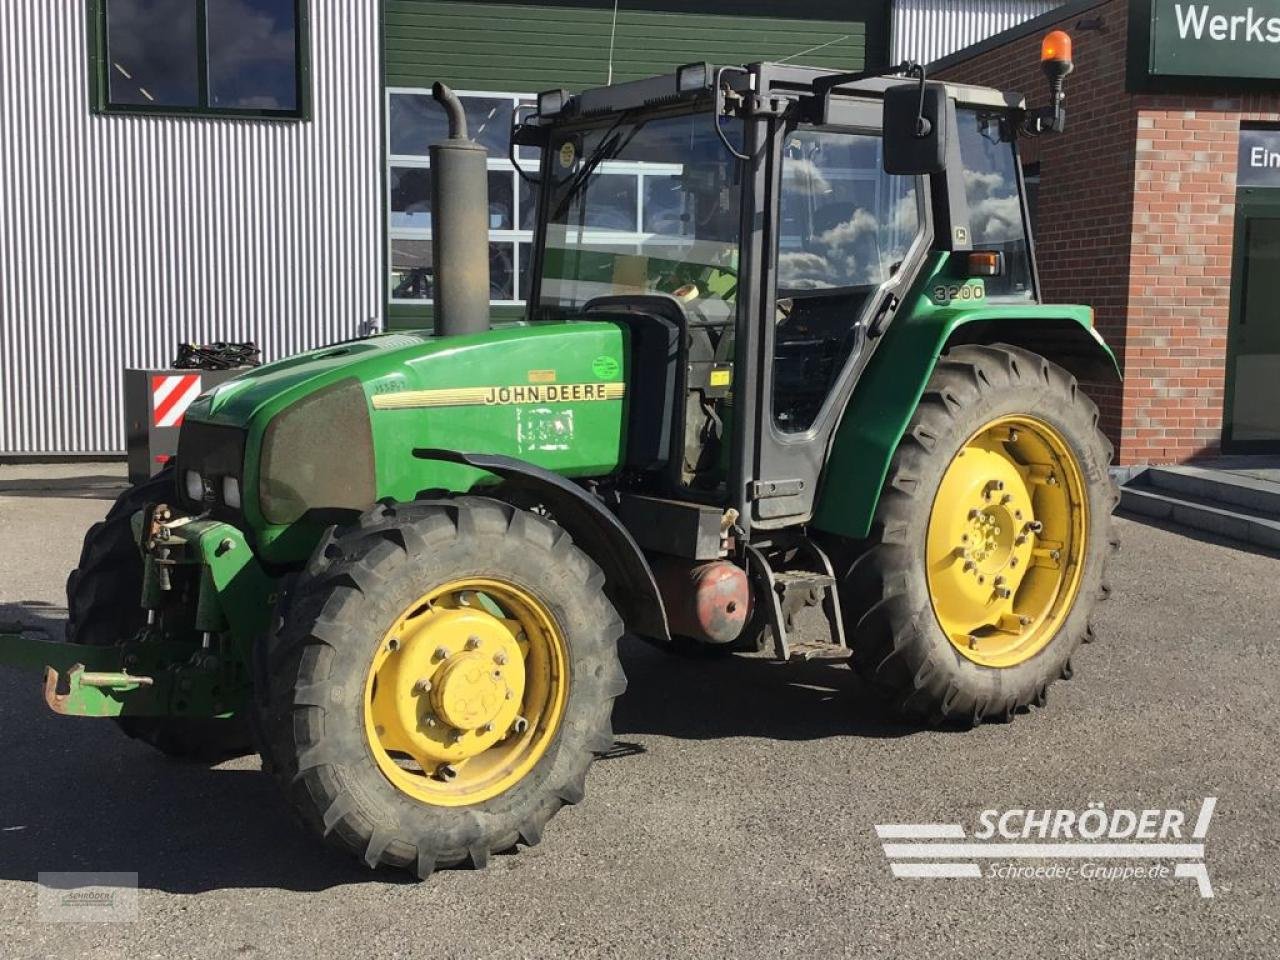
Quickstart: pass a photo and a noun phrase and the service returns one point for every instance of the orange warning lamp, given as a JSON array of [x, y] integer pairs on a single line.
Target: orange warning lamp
[[1056, 47]]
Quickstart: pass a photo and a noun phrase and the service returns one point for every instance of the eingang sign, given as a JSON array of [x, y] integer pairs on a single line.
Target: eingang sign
[[1259, 158], [1204, 40]]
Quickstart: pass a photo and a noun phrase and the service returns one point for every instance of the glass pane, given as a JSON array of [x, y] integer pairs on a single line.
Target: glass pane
[[594, 247], [417, 121], [995, 209], [410, 269], [846, 228], [502, 214], [151, 53], [526, 268], [252, 54], [528, 204], [502, 271], [663, 204], [1255, 339], [411, 198], [527, 154]]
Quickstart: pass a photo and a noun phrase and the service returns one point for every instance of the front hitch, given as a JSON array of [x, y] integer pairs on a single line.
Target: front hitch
[[152, 674]]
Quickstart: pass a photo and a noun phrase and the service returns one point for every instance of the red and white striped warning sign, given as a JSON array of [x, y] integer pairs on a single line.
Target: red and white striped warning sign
[[171, 395]]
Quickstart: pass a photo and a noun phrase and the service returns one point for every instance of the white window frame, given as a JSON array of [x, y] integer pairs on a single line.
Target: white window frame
[[514, 236]]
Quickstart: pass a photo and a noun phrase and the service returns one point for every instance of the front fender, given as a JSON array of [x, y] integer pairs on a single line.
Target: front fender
[[630, 582], [890, 389]]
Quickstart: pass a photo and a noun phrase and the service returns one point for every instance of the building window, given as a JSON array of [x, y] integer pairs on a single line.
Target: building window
[[414, 122], [220, 57]]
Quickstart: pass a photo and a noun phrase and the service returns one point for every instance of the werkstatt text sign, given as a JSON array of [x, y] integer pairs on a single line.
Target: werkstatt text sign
[[1233, 39]]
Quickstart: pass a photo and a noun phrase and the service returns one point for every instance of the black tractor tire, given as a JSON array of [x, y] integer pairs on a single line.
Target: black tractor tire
[[900, 648], [359, 581], [104, 608]]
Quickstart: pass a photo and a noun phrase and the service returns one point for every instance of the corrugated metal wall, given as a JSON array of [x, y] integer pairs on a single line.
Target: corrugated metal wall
[[123, 235], [926, 30]]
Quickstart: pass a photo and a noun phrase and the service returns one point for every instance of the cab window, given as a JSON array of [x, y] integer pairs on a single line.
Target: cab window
[[846, 227], [995, 208]]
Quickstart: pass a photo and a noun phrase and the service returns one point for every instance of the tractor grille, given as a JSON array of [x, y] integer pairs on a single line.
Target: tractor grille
[[214, 451]]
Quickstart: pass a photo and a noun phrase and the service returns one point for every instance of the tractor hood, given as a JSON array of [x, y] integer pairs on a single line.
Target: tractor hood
[[236, 402], [338, 428]]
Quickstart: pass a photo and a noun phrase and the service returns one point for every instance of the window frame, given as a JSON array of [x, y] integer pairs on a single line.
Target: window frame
[[842, 384], [100, 65], [502, 164]]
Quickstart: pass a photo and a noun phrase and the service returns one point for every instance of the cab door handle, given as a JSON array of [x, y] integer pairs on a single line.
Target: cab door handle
[[887, 308]]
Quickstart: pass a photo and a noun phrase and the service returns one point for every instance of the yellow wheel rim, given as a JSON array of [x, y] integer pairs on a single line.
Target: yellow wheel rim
[[466, 692], [1006, 541]]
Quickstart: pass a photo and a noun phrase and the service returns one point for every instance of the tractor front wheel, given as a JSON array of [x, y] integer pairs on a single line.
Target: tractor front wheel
[[443, 675], [990, 541]]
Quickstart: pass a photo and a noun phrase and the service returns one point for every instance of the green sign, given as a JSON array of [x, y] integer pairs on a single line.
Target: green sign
[[1226, 39]]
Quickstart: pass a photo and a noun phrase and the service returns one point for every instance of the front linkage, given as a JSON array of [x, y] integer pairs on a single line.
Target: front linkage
[[195, 666]]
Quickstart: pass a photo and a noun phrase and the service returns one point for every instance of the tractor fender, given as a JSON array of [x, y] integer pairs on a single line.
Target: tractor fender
[[886, 397], [629, 580]]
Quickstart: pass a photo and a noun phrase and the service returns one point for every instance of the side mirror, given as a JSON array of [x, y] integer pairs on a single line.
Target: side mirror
[[915, 129]]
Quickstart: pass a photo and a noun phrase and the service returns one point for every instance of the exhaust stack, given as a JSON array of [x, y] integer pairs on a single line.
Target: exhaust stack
[[459, 225]]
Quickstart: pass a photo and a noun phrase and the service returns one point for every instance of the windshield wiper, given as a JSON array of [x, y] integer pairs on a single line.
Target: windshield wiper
[[612, 143]]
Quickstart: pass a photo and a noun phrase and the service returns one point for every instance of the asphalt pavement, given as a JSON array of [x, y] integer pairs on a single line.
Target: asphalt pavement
[[736, 816]]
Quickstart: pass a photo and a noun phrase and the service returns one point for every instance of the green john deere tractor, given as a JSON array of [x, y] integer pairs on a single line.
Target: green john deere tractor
[[784, 348]]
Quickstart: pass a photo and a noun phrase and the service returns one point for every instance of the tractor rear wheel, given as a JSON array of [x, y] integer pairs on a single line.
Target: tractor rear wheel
[[441, 679], [104, 607], [990, 541]]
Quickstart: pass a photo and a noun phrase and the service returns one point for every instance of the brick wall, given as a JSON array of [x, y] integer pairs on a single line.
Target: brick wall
[[1137, 215]]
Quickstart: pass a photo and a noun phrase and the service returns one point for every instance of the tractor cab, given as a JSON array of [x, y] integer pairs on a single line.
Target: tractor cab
[[757, 229]]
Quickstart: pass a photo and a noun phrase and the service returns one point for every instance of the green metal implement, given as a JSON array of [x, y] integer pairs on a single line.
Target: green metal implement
[[154, 675]]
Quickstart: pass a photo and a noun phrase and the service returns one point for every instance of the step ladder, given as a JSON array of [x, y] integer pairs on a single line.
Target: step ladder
[[805, 580]]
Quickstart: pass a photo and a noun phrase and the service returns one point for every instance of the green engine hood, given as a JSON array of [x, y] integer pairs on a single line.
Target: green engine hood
[[550, 393]]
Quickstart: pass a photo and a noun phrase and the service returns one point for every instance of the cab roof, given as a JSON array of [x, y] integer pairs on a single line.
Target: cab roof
[[767, 79]]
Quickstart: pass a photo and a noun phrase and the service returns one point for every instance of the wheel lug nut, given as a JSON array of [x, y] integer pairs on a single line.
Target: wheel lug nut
[[969, 565], [1035, 526], [487, 728], [441, 653], [520, 725], [447, 772], [1025, 621], [422, 686], [473, 642], [500, 658], [1055, 555], [1007, 498], [1004, 593], [974, 514]]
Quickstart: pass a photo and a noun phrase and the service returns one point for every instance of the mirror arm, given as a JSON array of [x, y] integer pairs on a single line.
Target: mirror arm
[[516, 124], [719, 110], [823, 86]]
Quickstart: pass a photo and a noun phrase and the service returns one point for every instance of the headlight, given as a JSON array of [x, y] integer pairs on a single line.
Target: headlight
[[231, 492], [194, 484], [318, 455]]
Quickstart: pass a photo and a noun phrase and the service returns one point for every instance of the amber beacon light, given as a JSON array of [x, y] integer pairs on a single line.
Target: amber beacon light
[[1056, 61], [1056, 50]]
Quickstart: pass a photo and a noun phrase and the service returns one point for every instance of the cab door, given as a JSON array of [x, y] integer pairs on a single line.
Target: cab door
[[849, 240]]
